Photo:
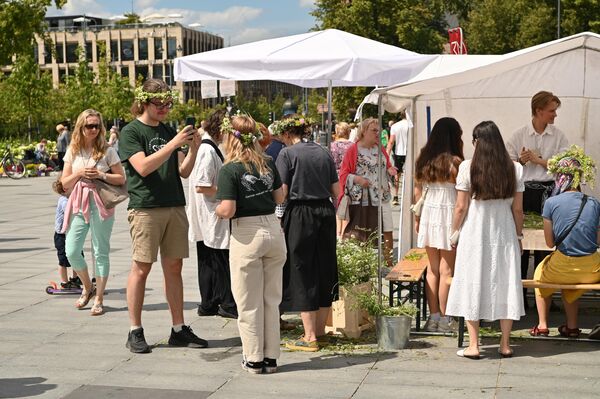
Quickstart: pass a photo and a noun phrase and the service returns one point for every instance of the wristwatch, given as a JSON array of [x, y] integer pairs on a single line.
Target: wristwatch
[[520, 237]]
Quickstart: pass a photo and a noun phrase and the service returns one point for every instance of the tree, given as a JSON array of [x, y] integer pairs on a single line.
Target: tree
[[580, 16], [20, 21], [130, 18]]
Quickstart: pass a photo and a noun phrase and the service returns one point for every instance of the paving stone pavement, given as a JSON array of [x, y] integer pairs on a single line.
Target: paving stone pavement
[[48, 349]]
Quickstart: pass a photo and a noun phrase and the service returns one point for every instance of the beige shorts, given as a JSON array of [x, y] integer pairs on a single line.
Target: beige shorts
[[152, 229]]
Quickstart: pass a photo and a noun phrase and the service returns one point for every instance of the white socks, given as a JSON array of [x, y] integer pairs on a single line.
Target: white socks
[[177, 327], [434, 316]]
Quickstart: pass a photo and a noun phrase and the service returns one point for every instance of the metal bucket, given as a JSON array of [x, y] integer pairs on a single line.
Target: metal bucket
[[393, 332]]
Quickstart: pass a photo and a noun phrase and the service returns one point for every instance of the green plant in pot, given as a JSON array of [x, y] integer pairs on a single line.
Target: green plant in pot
[[393, 322]]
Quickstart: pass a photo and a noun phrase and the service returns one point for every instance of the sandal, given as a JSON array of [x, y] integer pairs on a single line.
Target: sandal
[[97, 309], [569, 332], [537, 332], [84, 299]]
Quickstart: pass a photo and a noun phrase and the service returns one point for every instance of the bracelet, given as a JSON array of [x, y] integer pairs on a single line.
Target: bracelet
[[520, 237]]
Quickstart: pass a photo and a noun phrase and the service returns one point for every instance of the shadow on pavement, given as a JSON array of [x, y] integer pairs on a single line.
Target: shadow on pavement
[[24, 387]]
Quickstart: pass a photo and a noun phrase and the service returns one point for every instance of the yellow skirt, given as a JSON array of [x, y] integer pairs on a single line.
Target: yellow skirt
[[562, 269]]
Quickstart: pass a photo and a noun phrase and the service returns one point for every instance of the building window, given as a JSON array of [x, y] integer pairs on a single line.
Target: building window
[[157, 71], [36, 53], [171, 48], [47, 55], [125, 72], [169, 80], [88, 51], [141, 70], [100, 50], [143, 49], [62, 75], [114, 50], [72, 52], [158, 48], [60, 56], [127, 50]]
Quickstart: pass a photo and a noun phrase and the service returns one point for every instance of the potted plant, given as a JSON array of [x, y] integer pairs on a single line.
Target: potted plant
[[393, 323], [357, 265]]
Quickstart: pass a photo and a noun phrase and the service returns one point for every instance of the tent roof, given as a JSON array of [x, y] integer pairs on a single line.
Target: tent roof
[[308, 60], [454, 70]]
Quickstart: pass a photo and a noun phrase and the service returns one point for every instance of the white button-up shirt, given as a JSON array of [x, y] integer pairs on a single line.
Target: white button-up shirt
[[551, 142]]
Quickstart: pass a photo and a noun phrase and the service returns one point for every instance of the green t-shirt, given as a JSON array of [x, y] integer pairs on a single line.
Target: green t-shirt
[[251, 191], [161, 188], [384, 137]]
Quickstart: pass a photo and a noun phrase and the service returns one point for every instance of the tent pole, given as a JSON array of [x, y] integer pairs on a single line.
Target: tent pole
[[380, 183], [329, 107]]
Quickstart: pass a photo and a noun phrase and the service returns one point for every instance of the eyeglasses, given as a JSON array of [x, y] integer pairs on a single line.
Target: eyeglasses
[[161, 105], [92, 126]]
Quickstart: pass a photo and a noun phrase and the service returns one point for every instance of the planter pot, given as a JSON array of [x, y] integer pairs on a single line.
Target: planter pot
[[345, 317], [393, 332]]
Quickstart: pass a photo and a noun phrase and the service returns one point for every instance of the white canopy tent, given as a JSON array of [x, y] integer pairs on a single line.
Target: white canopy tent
[[500, 88]]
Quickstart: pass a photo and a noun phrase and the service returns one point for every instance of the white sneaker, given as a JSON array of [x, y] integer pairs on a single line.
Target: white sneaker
[[431, 325], [446, 325]]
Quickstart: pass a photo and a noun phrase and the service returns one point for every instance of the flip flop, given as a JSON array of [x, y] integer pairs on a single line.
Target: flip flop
[[97, 309], [84, 299], [461, 353]]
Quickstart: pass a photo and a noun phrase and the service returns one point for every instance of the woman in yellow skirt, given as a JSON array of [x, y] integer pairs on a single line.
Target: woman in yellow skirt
[[572, 223]]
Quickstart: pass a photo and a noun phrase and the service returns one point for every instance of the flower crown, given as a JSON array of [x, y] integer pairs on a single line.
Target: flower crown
[[247, 139], [283, 125], [586, 173], [142, 96]]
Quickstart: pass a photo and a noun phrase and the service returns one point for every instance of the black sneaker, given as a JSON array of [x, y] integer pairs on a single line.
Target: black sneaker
[[226, 314], [69, 285], [269, 365], [204, 312], [595, 333], [136, 342], [186, 338], [76, 281], [252, 367]]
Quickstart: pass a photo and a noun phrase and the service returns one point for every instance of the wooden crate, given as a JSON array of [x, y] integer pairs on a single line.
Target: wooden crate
[[345, 316]]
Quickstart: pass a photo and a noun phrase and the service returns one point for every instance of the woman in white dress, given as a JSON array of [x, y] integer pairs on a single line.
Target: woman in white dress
[[436, 169], [489, 215]]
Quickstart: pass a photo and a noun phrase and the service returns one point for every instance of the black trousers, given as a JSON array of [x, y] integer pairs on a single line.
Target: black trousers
[[214, 279], [533, 201]]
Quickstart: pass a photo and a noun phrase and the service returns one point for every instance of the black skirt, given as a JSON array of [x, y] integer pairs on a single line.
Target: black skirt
[[310, 273]]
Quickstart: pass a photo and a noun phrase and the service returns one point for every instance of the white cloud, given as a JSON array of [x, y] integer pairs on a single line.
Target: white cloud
[[88, 7], [142, 4], [306, 3], [248, 35]]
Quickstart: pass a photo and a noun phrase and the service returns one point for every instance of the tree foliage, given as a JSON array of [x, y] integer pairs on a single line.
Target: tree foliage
[[20, 21], [130, 18]]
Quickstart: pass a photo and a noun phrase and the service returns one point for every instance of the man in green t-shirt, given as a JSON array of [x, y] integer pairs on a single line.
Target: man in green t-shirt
[[154, 164]]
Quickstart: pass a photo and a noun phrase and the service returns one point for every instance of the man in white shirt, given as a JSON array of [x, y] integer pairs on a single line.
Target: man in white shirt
[[399, 137], [532, 145]]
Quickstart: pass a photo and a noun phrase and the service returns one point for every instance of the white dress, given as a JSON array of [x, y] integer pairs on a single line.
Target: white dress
[[435, 226], [487, 273]]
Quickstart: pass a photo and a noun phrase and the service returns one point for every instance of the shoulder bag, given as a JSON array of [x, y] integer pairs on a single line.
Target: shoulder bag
[[342, 210], [417, 207], [110, 194]]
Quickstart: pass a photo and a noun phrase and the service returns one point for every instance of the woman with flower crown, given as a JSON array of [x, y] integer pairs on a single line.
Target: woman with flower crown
[[572, 224], [248, 189], [309, 182]]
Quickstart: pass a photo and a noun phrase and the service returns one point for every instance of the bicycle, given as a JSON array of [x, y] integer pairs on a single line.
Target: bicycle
[[13, 167]]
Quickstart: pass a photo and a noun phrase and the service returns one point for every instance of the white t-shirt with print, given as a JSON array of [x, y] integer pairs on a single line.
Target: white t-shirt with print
[[83, 159]]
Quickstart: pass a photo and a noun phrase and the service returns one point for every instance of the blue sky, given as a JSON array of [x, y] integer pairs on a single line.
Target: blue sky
[[237, 21]]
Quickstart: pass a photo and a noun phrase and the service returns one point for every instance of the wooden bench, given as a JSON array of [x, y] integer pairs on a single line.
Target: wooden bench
[[409, 274], [527, 284]]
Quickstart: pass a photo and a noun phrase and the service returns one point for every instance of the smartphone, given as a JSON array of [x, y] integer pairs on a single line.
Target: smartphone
[[190, 121]]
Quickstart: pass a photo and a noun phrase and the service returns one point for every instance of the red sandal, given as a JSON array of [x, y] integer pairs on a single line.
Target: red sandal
[[537, 332], [569, 332]]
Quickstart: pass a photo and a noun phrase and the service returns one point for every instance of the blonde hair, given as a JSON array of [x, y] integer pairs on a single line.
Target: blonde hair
[[77, 138], [364, 125], [541, 99], [60, 127], [342, 130], [249, 155]]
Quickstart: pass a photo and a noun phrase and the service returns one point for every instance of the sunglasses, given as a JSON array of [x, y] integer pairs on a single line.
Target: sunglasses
[[160, 105], [92, 126]]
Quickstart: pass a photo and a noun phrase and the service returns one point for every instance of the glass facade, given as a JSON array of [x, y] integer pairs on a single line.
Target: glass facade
[[158, 48], [157, 71], [143, 49], [72, 52], [171, 48], [114, 50], [141, 70], [60, 56], [127, 50], [88, 51]]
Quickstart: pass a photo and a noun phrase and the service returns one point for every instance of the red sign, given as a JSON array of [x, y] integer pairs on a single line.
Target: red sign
[[457, 43]]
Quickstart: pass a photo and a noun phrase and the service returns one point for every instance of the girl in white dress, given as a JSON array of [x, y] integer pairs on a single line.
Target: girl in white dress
[[436, 169], [489, 214]]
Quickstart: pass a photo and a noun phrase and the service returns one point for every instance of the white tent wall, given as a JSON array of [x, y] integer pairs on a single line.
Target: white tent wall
[[573, 75]]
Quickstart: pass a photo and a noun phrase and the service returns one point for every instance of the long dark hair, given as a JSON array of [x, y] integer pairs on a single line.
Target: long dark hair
[[443, 149], [492, 171]]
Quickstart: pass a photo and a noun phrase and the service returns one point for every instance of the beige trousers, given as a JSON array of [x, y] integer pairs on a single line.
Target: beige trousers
[[257, 254]]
